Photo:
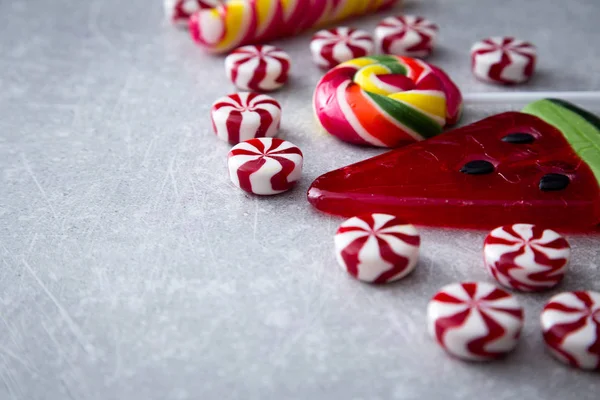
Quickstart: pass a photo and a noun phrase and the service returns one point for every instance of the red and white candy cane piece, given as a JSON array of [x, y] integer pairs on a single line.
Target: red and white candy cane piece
[[377, 248], [244, 116], [265, 166], [179, 11], [260, 68], [330, 47], [571, 327], [504, 60], [475, 320], [406, 35], [526, 257]]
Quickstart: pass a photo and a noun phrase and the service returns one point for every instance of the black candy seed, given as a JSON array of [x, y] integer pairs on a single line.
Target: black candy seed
[[551, 182], [477, 167], [518, 138]]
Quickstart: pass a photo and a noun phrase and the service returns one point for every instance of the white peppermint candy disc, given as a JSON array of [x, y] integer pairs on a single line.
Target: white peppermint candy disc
[[475, 320], [330, 47], [377, 248], [265, 166], [406, 35], [260, 68], [243, 116], [526, 257], [571, 327], [504, 60]]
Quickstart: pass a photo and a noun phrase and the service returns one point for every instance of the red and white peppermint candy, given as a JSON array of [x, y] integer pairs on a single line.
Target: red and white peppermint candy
[[265, 166], [260, 68], [377, 248], [406, 35], [503, 60], [571, 327], [330, 47], [475, 320], [243, 116], [179, 11], [526, 257]]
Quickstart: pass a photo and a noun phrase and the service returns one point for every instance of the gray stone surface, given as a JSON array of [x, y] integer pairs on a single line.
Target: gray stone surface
[[132, 269]]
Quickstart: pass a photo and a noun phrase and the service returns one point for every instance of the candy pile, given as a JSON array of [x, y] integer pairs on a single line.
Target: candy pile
[[541, 165], [221, 26], [239, 22], [479, 321]]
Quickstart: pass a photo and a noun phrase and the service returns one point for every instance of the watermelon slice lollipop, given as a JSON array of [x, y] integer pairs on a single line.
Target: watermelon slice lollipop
[[539, 166]]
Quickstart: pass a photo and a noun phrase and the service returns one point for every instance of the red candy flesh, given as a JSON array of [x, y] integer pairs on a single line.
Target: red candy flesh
[[422, 183]]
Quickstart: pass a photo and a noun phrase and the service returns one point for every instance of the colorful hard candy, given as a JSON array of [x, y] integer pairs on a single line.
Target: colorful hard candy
[[238, 23], [258, 68], [265, 166], [406, 35], [377, 248], [330, 47], [526, 257], [504, 60], [475, 321], [571, 327], [179, 11], [243, 116], [386, 101], [541, 166]]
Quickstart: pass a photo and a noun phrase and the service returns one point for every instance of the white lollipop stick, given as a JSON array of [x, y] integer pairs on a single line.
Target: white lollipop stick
[[583, 97]]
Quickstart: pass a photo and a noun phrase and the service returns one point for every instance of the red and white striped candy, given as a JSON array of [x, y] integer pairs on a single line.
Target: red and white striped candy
[[330, 47], [475, 320], [571, 326], [265, 166], [243, 116], [377, 248], [260, 68], [526, 257], [179, 11], [406, 35], [504, 60]]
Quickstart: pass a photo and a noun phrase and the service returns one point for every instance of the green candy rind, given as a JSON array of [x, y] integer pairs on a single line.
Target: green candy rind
[[410, 117], [578, 126]]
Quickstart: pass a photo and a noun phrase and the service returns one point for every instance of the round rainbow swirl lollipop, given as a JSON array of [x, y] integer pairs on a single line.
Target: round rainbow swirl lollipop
[[239, 22], [386, 101]]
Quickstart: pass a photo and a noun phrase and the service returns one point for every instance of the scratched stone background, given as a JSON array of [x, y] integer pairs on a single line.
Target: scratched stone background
[[132, 269]]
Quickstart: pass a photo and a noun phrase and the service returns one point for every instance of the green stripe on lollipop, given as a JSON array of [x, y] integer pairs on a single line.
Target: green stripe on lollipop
[[411, 118]]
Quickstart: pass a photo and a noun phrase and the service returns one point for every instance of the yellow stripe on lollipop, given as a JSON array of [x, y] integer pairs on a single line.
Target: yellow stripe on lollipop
[[265, 10], [367, 79], [327, 14], [345, 10], [236, 21], [429, 101], [375, 4], [359, 62], [288, 7], [361, 7]]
